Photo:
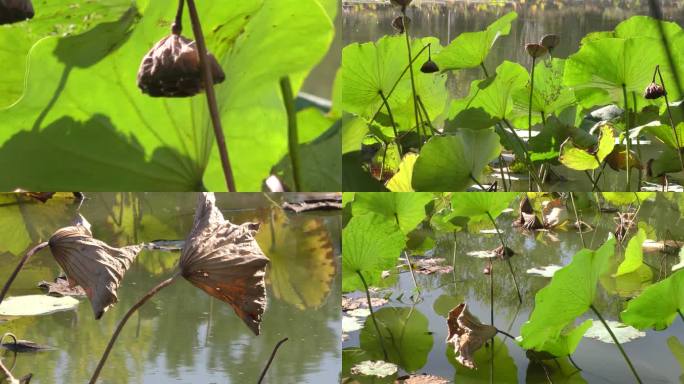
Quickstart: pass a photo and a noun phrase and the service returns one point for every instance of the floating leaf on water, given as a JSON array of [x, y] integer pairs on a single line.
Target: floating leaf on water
[[374, 368], [92, 264], [467, 334], [623, 332], [545, 271], [351, 324], [225, 261], [422, 379], [360, 312], [61, 287], [17, 345], [34, 305], [657, 306], [361, 302]]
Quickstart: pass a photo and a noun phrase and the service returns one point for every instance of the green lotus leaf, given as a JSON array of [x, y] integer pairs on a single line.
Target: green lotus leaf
[[478, 204], [470, 49], [375, 368], [407, 210], [634, 255], [372, 244], [449, 163], [81, 134], [354, 130], [545, 146], [666, 162], [626, 198], [550, 97], [371, 68], [405, 334], [567, 342], [570, 293], [580, 159], [664, 133], [657, 306], [401, 181]]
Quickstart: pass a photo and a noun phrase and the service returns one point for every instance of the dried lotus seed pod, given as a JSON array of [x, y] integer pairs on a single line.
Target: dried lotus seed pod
[[172, 69], [401, 3], [13, 11], [654, 91], [536, 50], [550, 41], [429, 67], [398, 23]]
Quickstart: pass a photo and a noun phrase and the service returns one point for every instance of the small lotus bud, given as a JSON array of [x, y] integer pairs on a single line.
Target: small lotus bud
[[401, 3], [536, 50], [550, 41], [487, 270], [654, 91], [172, 69], [429, 67], [13, 11], [398, 23]]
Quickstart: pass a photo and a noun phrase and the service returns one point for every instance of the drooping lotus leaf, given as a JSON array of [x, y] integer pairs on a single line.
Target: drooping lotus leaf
[[371, 68], [405, 209], [405, 334], [550, 97], [467, 334], [225, 261], [493, 96], [581, 159], [656, 307], [470, 49], [372, 244], [601, 67], [634, 255], [66, 133], [570, 293], [478, 204], [567, 342], [402, 180], [92, 264], [302, 263], [449, 163]]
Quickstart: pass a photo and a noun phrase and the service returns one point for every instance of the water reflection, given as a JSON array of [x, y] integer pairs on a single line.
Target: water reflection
[[182, 334]]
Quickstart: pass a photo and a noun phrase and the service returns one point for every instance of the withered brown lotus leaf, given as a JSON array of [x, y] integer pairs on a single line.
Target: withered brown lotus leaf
[[617, 159], [172, 69], [527, 217], [92, 264], [224, 260], [467, 334], [12, 11]]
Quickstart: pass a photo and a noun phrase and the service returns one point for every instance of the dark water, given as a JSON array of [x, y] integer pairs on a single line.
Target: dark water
[[181, 335], [601, 362]]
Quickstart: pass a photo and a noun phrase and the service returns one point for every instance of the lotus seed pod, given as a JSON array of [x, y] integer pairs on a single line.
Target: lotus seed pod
[[401, 3], [536, 50], [429, 67], [654, 91], [550, 41], [398, 23], [13, 11], [172, 69]]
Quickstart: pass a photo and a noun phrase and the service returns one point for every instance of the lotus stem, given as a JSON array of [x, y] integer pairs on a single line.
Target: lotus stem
[[7, 373], [270, 360], [211, 96], [506, 334], [529, 115], [292, 133], [577, 220], [680, 314], [477, 182], [123, 321], [617, 343], [372, 314], [669, 114], [23, 261], [425, 112], [528, 161], [177, 26], [657, 13], [627, 138], [573, 363], [413, 276], [491, 292], [501, 171], [508, 260], [484, 69], [413, 82], [391, 117]]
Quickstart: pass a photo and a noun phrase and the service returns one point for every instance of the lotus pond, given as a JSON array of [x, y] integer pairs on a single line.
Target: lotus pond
[[424, 257], [182, 334], [561, 73]]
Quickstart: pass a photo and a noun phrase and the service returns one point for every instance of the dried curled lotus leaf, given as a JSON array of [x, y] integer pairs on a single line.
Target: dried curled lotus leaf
[[172, 69], [92, 264], [12, 11], [224, 260], [467, 334]]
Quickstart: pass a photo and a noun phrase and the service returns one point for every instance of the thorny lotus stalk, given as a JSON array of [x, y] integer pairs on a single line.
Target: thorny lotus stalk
[[292, 134], [21, 264], [270, 360], [372, 314], [413, 82], [617, 343], [508, 260], [627, 138], [577, 220], [123, 321], [211, 96]]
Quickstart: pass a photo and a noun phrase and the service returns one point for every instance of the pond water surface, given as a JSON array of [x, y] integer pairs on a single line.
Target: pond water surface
[[181, 335], [427, 352]]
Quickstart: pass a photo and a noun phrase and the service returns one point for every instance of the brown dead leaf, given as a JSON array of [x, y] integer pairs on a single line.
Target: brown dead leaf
[[527, 218], [92, 264], [432, 265], [18, 345], [225, 261], [61, 287], [467, 334], [618, 159], [422, 379], [361, 302], [554, 213]]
